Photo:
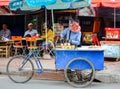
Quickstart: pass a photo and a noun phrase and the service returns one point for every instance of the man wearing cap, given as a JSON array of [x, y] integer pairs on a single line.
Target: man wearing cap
[[30, 32], [73, 34]]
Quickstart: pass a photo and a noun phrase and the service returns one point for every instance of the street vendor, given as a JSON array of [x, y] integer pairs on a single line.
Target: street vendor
[[72, 34], [30, 32]]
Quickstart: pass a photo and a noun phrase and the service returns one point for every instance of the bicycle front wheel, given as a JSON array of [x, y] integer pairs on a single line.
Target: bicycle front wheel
[[19, 69]]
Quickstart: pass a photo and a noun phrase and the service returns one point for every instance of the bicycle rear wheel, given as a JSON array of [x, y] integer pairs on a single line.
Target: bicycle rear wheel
[[16, 72], [79, 72]]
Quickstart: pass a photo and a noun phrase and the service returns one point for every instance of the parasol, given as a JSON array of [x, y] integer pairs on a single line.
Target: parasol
[[21, 4], [49, 4]]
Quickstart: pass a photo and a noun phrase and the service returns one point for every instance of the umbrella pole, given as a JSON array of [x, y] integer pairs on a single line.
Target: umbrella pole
[[46, 26], [53, 21], [114, 17]]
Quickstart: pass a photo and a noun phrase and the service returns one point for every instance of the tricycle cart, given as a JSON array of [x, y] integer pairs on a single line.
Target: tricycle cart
[[79, 65]]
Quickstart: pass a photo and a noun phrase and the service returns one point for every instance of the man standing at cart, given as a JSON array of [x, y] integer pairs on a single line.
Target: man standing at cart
[[72, 34]]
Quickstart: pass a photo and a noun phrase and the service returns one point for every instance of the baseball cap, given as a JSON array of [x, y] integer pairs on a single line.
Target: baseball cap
[[30, 24]]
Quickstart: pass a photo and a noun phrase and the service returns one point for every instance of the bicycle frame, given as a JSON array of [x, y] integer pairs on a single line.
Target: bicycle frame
[[35, 57]]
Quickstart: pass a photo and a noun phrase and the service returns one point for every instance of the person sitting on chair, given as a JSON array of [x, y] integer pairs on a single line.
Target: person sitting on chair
[[50, 37], [50, 41], [30, 31], [5, 32]]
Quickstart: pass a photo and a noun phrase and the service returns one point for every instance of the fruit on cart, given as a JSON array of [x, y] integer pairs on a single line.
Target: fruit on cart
[[67, 46]]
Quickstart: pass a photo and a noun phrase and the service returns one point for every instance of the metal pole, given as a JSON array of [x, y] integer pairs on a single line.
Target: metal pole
[[25, 22], [53, 21], [114, 17], [46, 26]]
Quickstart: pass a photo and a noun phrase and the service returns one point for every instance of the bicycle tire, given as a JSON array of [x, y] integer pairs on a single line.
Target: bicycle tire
[[25, 74], [83, 80]]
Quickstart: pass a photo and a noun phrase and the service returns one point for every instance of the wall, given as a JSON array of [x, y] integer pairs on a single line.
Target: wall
[[15, 23]]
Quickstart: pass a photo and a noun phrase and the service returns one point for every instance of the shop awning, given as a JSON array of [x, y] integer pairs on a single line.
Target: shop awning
[[106, 3], [96, 3], [4, 9], [4, 2], [111, 3]]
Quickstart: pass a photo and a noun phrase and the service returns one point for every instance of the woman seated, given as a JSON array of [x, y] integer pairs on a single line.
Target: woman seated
[[50, 38], [49, 42]]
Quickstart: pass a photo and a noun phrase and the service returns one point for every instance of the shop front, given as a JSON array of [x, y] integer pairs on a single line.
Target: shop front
[[110, 41]]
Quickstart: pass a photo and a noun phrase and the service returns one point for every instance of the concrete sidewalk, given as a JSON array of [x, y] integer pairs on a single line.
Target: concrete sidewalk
[[110, 74], [50, 72]]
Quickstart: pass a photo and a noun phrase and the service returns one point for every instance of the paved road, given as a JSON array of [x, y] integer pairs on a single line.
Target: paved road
[[5, 83]]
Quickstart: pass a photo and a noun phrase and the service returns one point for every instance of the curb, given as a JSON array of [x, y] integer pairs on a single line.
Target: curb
[[50, 74], [108, 78]]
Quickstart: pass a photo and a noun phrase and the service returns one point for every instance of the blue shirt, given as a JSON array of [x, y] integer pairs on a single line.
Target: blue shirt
[[32, 32], [75, 37], [5, 33]]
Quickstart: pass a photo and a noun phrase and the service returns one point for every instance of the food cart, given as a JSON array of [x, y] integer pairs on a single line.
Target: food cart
[[111, 43], [79, 64]]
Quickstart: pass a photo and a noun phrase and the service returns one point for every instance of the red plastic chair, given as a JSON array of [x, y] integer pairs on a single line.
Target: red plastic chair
[[95, 40], [17, 43], [31, 42]]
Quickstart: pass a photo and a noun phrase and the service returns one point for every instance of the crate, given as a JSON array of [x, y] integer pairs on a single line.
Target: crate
[[112, 33]]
